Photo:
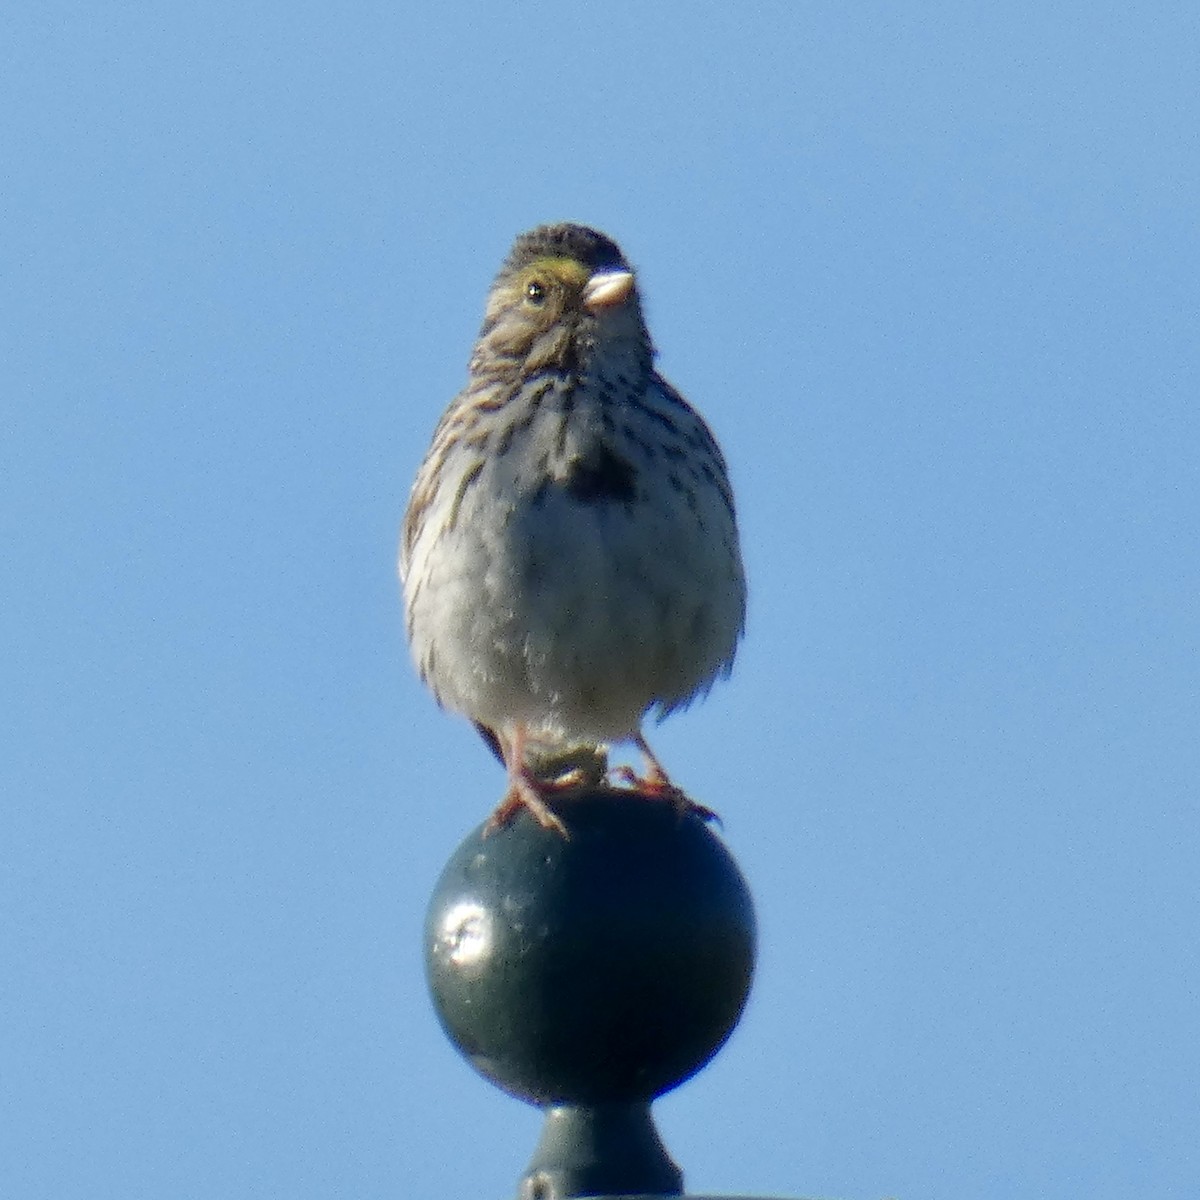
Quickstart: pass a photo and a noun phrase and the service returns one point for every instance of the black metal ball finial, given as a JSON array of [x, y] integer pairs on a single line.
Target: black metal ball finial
[[589, 976]]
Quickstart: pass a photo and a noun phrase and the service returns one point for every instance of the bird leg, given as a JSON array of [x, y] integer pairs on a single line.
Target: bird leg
[[656, 784], [525, 790]]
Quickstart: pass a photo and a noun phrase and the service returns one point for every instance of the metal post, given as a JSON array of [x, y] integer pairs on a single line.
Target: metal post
[[590, 975]]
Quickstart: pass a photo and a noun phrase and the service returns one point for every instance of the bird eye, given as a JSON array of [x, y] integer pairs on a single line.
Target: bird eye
[[535, 292]]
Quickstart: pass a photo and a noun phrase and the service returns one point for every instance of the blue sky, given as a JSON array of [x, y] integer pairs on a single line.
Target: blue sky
[[931, 277]]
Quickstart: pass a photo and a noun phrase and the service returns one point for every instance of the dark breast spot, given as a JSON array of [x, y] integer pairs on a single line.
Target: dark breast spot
[[602, 477]]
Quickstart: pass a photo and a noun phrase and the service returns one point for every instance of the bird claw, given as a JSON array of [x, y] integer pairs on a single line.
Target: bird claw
[[659, 787], [524, 793]]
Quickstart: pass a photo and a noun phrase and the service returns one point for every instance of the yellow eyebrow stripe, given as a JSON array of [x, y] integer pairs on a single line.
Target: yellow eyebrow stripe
[[568, 270]]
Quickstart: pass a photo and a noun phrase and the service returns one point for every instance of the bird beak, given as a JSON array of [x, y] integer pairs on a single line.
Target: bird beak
[[607, 289]]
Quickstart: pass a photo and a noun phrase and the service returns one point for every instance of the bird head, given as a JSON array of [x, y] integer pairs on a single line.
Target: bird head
[[564, 292]]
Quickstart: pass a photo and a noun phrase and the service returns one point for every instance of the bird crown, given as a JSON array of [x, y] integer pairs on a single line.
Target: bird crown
[[584, 245]]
